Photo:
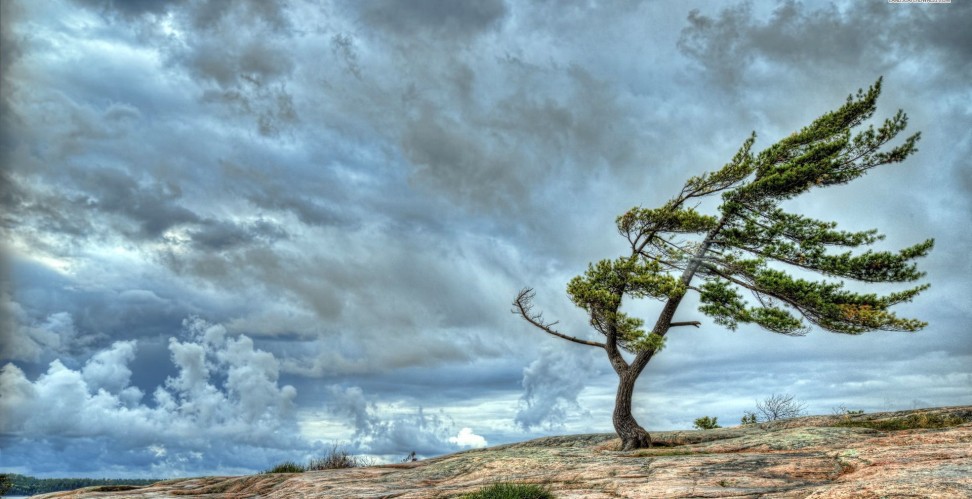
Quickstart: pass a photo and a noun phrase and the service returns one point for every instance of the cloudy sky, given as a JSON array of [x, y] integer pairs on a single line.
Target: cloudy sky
[[240, 232]]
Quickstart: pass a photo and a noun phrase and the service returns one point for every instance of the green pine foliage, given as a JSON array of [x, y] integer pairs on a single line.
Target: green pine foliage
[[751, 261], [748, 247], [755, 235]]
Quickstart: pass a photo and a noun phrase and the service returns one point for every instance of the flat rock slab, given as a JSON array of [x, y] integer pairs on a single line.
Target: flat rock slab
[[866, 456]]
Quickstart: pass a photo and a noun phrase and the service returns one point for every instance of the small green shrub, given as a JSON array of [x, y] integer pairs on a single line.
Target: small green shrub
[[511, 491], [749, 418], [287, 467], [842, 410], [707, 423]]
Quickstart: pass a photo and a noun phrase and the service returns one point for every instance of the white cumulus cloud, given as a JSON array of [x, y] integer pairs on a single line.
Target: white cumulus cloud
[[223, 412], [466, 438]]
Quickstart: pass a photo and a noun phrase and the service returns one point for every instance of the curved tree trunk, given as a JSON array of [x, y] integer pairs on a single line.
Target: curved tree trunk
[[633, 436]]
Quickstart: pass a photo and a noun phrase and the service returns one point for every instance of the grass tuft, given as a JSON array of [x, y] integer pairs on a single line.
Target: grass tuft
[[911, 422], [335, 459], [511, 491], [656, 451], [287, 467]]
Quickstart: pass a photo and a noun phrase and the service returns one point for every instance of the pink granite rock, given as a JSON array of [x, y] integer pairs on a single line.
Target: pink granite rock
[[867, 456]]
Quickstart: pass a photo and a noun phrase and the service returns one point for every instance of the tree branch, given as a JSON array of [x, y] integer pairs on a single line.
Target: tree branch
[[614, 355], [686, 323], [664, 322], [759, 292], [523, 307]]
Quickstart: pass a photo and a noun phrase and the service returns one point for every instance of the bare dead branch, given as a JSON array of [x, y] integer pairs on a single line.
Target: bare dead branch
[[780, 406], [523, 306], [686, 323]]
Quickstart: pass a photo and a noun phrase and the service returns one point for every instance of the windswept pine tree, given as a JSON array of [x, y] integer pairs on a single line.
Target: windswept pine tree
[[749, 247]]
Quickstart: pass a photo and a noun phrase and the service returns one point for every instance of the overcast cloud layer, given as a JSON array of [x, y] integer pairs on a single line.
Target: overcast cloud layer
[[237, 233]]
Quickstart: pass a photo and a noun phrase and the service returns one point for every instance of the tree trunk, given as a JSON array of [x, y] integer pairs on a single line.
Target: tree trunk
[[633, 436]]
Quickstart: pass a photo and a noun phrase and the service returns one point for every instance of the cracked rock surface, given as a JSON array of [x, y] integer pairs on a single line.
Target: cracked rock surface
[[867, 455]]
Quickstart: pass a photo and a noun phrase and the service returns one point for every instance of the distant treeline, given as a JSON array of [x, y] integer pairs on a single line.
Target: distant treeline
[[21, 485]]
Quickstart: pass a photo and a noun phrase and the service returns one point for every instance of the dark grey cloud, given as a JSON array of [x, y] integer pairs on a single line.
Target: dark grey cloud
[[130, 9], [343, 46], [47, 307], [24, 341], [10, 193], [872, 37], [248, 74], [522, 146], [440, 17], [203, 15], [255, 62], [239, 52], [223, 235], [154, 208], [210, 15], [360, 189], [309, 210], [10, 52]]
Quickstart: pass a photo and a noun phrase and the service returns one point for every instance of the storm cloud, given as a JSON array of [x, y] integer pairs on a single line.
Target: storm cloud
[[241, 232]]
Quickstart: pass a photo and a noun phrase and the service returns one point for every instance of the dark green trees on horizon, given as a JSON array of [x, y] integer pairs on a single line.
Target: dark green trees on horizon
[[749, 244]]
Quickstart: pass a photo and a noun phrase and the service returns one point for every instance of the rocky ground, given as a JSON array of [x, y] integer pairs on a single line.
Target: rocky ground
[[866, 456]]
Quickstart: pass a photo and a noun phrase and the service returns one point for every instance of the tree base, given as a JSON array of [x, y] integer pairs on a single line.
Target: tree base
[[639, 439]]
